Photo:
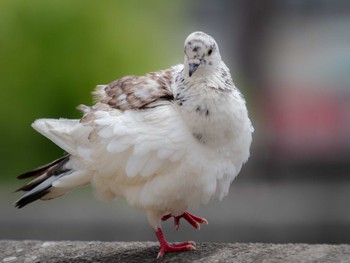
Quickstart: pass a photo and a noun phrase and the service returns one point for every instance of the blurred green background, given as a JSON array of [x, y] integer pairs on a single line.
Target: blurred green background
[[53, 53]]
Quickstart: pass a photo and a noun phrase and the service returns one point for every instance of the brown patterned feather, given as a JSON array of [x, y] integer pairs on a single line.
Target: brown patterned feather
[[136, 92]]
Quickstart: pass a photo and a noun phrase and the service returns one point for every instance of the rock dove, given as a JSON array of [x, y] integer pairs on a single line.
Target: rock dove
[[166, 142]]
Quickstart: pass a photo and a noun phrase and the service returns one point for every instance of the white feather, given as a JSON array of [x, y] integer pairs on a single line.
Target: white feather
[[58, 131], [72, 180], [117, 146], [135, 165], [152, 166], [164, 153], [106, 132]]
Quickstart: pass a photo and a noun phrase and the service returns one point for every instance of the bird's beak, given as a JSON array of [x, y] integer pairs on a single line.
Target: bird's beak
[[193, 65]]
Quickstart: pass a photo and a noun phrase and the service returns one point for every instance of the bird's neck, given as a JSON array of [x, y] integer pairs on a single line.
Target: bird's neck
[[208, 109]]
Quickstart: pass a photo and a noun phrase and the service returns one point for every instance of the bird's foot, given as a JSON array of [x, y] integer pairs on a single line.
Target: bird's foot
[[166, 247], [193, 220]]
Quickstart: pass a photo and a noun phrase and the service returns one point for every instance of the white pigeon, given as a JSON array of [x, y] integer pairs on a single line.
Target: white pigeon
[[166, 142]]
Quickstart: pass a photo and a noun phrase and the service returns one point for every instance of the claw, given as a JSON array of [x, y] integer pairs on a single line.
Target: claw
[[193, 220], [166, 247]]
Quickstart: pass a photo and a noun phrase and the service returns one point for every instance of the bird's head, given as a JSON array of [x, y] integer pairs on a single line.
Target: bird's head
[[201, 54]]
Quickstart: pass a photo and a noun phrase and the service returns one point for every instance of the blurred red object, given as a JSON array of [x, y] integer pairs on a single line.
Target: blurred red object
[[307, 122]]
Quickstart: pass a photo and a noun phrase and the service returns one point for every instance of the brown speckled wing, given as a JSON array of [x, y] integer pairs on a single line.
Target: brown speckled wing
[[136, 92]]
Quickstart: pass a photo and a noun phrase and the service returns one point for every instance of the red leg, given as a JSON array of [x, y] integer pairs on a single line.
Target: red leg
[[166, 247], [193, 220], [166, 217]]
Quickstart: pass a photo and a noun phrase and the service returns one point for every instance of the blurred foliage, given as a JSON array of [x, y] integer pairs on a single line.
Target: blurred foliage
[[54, 52]]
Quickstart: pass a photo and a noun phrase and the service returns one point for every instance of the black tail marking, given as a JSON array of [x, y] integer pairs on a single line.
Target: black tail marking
[[40, 170], [42, 184], [23, 201]]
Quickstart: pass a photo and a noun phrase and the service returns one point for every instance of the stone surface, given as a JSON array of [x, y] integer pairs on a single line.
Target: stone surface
[[74, 251], [279, 212]]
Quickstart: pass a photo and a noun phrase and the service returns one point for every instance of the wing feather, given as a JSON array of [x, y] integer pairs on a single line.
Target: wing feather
[[164, 153], [117, 146], [152, 166], [137, 92], [135, 164], [146, 146]]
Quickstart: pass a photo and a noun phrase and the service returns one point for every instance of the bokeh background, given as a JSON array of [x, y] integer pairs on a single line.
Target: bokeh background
[[290, 58]]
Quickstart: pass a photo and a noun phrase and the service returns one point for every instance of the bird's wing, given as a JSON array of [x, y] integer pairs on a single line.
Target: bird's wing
[[136, 121], [146, 141], [137, 92], [134, 130]]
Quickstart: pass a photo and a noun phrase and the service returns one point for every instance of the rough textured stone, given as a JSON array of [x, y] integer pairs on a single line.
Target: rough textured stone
[[72, 251]]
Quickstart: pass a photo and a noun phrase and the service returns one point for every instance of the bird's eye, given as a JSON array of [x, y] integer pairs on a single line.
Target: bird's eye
[[210, 51]]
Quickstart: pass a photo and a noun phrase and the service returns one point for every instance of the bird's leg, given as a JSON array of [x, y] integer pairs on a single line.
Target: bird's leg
[[166, 247], [193, 220]]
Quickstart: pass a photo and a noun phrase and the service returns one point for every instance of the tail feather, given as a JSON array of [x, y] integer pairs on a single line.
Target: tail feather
[[60, 131], [27, 199], [32, 184], [42, 184], [46, 183], [40, 170]]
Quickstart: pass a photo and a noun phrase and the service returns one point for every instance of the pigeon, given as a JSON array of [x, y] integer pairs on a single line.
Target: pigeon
[[166, 142]]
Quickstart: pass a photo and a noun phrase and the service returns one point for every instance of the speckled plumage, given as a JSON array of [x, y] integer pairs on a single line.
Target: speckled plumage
[[166, 142]]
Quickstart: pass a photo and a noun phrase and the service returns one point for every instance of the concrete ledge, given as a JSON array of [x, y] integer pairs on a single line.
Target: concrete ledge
[[74, 251]]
